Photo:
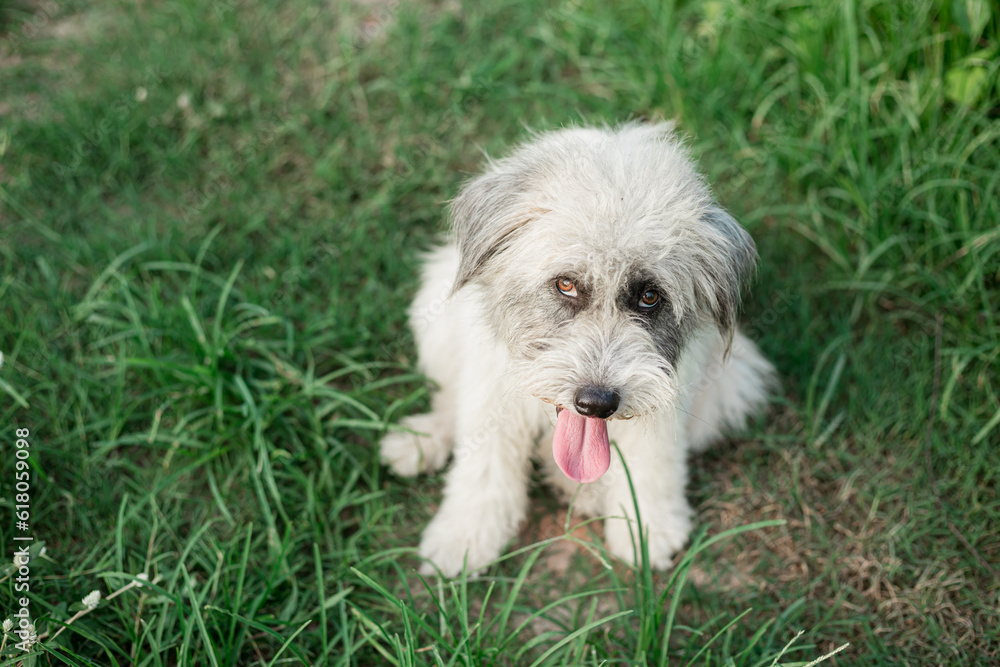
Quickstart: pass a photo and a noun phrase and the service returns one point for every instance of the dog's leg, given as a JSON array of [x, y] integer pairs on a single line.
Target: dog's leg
[[728, 391], [427, 442], [656, 458], [486, 495], [428, 439]]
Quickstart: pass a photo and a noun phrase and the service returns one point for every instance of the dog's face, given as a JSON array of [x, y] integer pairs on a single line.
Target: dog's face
[[599, 253]]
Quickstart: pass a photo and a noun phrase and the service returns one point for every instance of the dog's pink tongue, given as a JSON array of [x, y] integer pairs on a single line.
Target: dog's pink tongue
[[581, 446]]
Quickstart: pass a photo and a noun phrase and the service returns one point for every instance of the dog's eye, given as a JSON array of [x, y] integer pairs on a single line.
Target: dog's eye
[[649, 298], [566, 287]]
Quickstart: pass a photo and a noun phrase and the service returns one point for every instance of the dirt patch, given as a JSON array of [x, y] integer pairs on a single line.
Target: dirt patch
[[840, 546], [583, 539]]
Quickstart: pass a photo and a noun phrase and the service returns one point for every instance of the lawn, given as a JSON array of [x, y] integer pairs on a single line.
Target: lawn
[[210, 222]]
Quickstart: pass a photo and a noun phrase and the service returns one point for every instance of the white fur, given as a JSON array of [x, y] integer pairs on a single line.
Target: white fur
[[596, 203]]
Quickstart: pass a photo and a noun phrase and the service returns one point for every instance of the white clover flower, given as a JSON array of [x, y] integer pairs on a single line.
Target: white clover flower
[[8, 625], [91, 599], [30, 638]]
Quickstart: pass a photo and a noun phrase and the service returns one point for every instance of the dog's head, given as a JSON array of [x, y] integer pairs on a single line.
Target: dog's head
[[599, 254]]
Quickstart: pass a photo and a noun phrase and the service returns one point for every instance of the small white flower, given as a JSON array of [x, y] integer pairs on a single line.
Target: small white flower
[[8, 625], [141, 94], [42, 552], [20, 559], [29, 638], [142, 576], [91, 599]]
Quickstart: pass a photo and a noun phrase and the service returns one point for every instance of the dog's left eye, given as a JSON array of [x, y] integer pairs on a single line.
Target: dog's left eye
[[566, 287], [649, 298]]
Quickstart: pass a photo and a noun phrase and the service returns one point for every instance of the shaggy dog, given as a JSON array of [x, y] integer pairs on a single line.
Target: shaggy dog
[[589, 295]]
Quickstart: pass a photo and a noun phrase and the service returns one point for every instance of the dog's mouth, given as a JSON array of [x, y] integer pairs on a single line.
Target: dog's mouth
[[581, 446]]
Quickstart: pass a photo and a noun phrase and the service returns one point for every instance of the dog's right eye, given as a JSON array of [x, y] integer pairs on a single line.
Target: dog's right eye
[[566, 287]]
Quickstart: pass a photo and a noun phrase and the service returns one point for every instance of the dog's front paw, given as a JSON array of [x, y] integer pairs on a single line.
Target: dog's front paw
[[426, 449], [456, 541], [665, 534]]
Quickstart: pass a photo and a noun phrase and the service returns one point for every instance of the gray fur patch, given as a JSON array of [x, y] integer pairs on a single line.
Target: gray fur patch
[[730, 275]]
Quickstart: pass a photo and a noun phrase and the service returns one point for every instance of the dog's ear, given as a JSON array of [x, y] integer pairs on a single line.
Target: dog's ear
[[485, 216], [728, 268]]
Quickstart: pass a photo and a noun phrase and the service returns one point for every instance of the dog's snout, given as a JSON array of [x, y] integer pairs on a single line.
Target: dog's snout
[[597, 401]]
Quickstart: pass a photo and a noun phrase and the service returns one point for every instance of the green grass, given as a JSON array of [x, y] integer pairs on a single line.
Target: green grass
[[209, 223]]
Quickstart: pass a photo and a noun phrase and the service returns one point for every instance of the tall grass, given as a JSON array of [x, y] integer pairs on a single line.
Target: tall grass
[[210, 218]]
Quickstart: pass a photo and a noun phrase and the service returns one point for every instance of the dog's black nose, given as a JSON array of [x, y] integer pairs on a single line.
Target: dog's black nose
[[597, 402]]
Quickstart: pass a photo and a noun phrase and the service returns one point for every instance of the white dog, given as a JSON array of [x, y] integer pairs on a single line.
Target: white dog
[[589, 295]]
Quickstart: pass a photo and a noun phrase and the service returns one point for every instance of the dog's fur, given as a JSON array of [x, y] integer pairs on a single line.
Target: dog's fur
[[617, 211]]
